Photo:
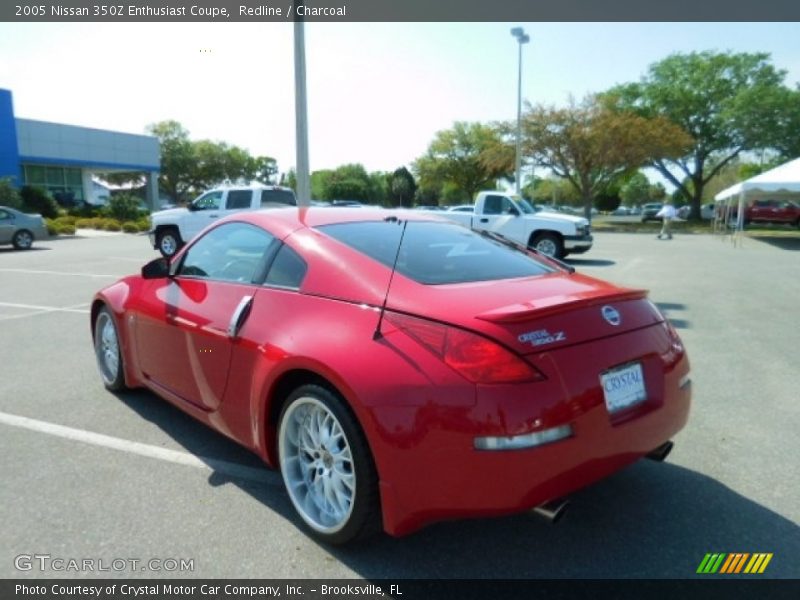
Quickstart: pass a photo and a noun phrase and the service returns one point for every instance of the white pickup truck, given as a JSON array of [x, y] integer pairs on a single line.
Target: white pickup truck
[[173, 228], [512, 217]]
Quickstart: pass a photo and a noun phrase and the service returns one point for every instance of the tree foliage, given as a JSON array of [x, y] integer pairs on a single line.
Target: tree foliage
[[9, 196], [189, 167], [727, 103], [401, 187], [591, 146], [466, 157]]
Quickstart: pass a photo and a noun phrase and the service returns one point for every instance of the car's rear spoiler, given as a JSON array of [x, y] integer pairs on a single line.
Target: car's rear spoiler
[[525, 311]]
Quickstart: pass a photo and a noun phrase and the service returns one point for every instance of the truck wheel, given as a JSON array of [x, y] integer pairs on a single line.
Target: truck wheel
[[168, 242], [549, 244]]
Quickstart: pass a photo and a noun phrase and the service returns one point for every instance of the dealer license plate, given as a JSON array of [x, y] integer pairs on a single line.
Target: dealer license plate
[[623, 387]]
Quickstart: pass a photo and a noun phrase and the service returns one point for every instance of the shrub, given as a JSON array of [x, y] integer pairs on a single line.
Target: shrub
[[9, 196], [67, 220], [111, 225], [85, 211], [37, 200], [123, 207], [84, 223], [144, 224], [65, 229], [130, 227], [52, 228]]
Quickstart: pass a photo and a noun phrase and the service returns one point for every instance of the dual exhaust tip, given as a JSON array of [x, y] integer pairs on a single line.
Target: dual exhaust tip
[[553, 510]]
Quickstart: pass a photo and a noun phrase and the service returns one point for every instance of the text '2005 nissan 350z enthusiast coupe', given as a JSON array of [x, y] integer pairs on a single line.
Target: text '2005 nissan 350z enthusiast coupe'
[[398, 369]]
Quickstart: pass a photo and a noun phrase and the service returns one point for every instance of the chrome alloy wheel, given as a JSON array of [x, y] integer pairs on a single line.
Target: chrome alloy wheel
[[106, 346], [317, 465], [168, 244], [23, 240]]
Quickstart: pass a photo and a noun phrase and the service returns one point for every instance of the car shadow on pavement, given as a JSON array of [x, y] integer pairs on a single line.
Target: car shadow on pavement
[[783, 243], [11, 249], [651, 520]]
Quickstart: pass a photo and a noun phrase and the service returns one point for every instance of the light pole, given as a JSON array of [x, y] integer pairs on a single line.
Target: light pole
[[301, 115], [522, 38]]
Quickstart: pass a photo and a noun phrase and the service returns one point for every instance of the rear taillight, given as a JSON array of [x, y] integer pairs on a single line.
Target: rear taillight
[[478, 359]]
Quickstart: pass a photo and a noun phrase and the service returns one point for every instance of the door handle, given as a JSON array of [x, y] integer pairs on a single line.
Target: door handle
[[484, 220], [213, 216], [239, 316]]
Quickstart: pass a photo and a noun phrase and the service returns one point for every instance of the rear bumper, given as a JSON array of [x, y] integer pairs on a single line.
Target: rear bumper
[[437, 474]]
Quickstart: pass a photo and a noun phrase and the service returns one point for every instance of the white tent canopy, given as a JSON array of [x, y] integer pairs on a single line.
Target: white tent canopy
[[781, 180], [785, 178]]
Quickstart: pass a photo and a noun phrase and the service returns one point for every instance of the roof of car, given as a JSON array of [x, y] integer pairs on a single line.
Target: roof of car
[[285, 220]]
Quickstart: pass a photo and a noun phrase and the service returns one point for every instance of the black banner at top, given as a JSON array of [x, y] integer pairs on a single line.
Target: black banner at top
[[333, 11]]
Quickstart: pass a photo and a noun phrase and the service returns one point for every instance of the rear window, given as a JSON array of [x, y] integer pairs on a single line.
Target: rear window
[[436, 253], [277, 198]]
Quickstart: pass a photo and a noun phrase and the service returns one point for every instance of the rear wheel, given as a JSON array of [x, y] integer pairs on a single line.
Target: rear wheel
[[327, 466], [168, 241], [107, 351], [22, 240], [549, 244]]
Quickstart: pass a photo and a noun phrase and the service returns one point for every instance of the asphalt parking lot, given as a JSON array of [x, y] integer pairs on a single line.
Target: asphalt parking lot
[[87, 474]]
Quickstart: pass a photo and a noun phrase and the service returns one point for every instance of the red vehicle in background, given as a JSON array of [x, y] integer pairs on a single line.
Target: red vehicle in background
[[773, 211]]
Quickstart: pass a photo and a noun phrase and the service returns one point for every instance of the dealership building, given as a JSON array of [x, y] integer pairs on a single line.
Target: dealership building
[[63, 158]]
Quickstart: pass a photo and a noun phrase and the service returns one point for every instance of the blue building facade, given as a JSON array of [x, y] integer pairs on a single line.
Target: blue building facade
[[63, 158]]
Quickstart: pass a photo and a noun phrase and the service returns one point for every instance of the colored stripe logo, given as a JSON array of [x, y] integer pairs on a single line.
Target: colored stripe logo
[[734, 563]]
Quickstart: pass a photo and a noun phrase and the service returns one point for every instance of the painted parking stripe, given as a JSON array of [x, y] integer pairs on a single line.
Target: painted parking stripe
[[69, 274], [42, 310], [174, 456]]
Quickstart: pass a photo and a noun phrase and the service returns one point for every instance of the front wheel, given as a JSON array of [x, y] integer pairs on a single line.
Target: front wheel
[[549, 244], [22, 240], [168, 242], [327, 466]]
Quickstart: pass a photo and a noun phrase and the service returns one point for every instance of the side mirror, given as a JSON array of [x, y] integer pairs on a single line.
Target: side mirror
[[156, 269], [513, 211], [191, 207]]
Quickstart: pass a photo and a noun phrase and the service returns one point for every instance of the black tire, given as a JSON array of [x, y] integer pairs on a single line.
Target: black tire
[[22, 240], [548, 243], [105, 328], [168, 241], [313, 470]]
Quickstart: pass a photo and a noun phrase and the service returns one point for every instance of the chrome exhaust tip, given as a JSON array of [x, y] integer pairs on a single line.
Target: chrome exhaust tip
[[660, 453], [553, 510]]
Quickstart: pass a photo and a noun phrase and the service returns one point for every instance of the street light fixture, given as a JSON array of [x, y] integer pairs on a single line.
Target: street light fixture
[[522, 38]]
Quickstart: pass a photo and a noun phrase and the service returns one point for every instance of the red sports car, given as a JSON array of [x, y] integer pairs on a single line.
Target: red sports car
[[396, 368]]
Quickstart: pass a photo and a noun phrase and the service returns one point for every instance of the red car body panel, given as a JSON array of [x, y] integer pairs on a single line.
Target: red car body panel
[[420, 416]]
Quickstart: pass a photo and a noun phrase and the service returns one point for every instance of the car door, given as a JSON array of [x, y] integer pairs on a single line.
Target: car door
[[501, 216], [6, 226], [202, 212], [237, 201], [185, 338]]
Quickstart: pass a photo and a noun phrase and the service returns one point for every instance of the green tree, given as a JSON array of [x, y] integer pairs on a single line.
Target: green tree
[[9, 196], [189, 167], [36, 199], [636, 190], [591, 146], [402, 187], [727, 103], [466, 157]]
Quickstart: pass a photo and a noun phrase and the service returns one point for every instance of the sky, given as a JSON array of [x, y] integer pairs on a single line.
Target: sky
[[377, 92]]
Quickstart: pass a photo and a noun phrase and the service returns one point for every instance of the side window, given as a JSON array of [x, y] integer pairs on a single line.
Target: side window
[[209, 201], [287, 270], [277, 198], [230, 252], [509, 208], [493, 205], [238, 199], [4, 214]]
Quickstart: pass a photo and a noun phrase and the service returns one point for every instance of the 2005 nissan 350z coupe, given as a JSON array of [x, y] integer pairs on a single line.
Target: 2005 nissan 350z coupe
[[396, 368]]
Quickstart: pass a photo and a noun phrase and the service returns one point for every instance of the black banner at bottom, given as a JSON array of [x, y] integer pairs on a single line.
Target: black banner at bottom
[[402, 589]]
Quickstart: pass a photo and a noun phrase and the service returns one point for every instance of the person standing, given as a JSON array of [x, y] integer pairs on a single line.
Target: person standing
[[667, 214]]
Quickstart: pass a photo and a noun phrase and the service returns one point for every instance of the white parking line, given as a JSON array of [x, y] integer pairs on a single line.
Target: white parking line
[[38, 272], [174, 456], [42, 310]]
